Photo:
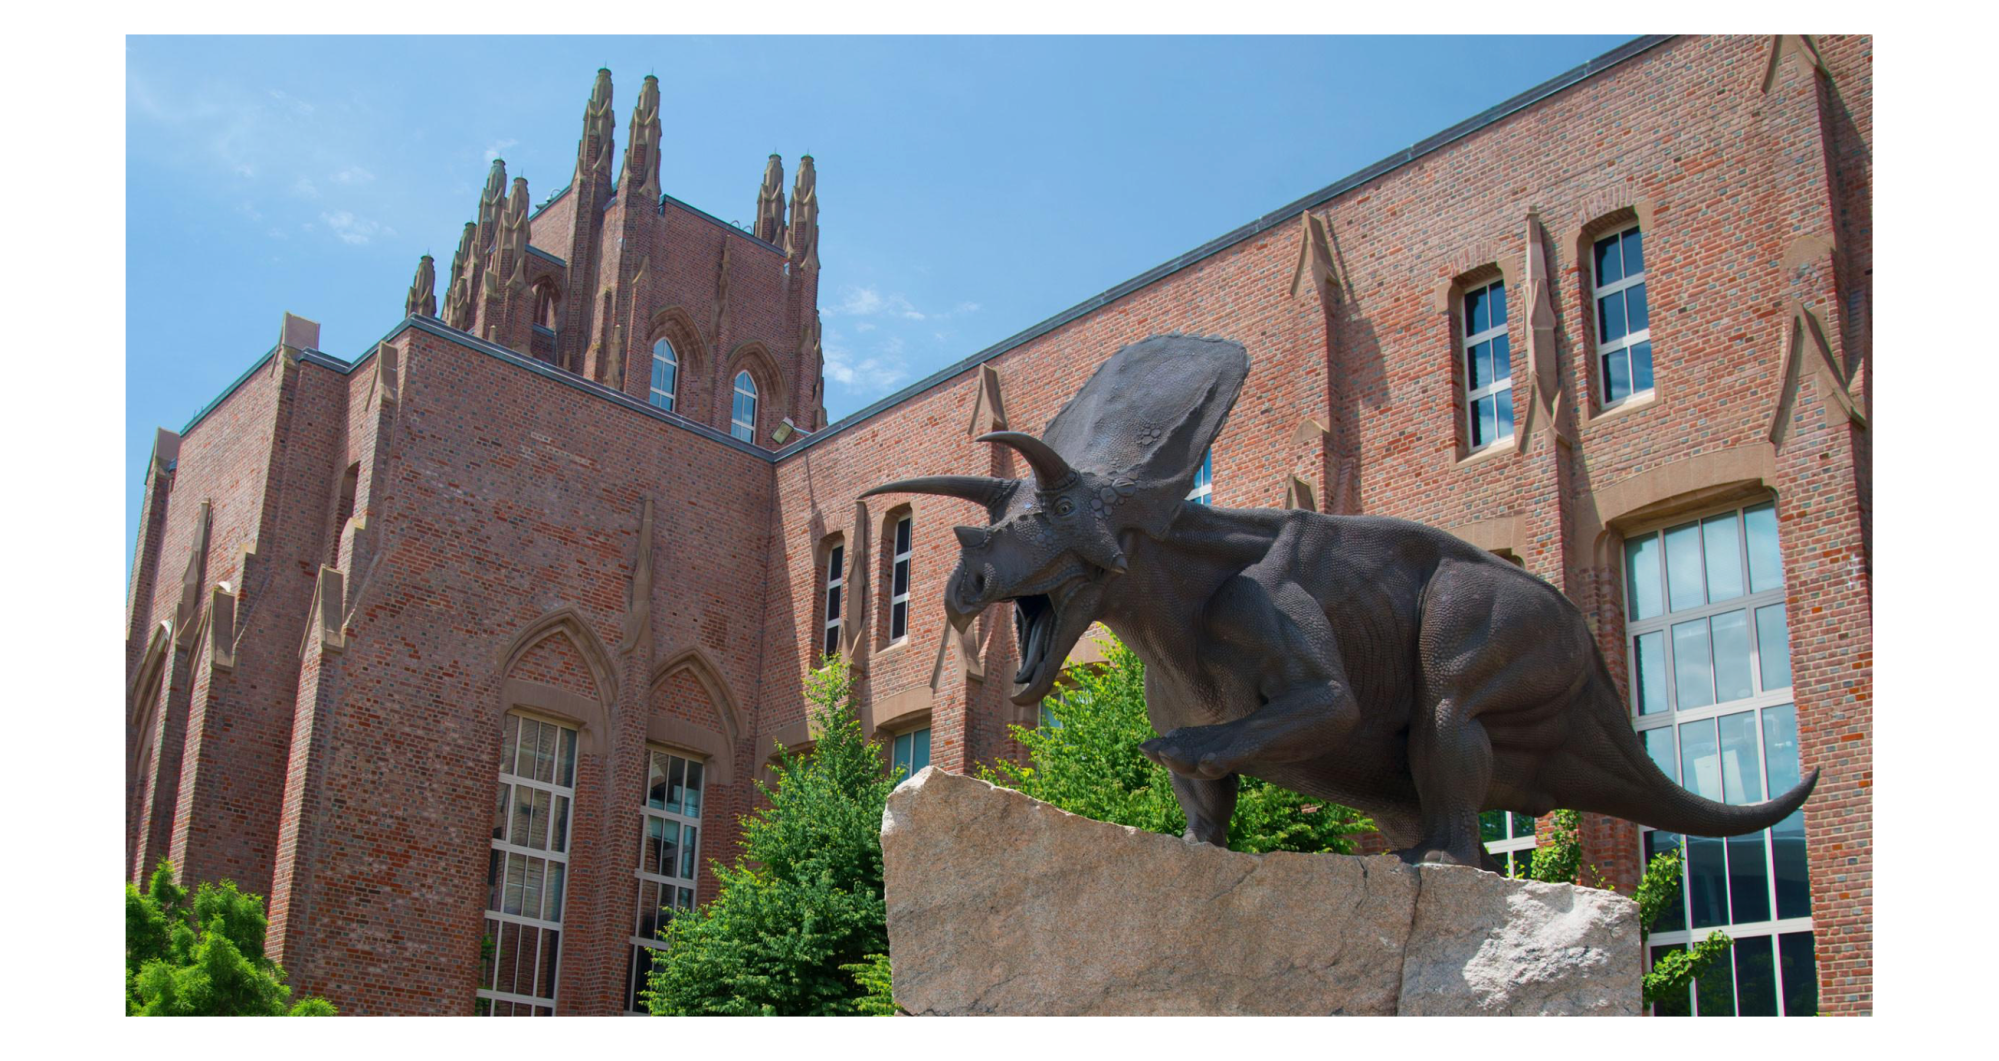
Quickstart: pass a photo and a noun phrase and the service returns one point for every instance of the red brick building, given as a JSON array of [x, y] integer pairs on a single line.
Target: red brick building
[[575, 521]]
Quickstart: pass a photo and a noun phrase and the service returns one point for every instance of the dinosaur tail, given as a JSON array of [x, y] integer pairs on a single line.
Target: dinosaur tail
[[1615, 776]]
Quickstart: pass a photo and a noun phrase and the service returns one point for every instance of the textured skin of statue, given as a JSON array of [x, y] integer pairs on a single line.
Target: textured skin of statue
[[1369, 661]]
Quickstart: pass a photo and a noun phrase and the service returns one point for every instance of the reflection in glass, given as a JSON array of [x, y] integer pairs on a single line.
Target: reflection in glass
[[1721, 541], [1677, 1005], [1714, 991], [1800, 973], [1693, 671], [1731, 656], [1641, 577], [1755, 977], [1650, 650], [1766, 565], [1683, 566], [1674, 917], [1773, 647]]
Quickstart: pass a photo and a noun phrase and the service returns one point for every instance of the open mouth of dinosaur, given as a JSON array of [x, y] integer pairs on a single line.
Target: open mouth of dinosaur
[[1045, 629]]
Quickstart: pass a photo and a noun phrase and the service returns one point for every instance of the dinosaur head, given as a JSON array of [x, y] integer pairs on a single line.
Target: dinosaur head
[[1119, 459]]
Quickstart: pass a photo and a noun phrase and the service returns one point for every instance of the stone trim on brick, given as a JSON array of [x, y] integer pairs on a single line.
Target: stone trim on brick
[[569, 621], [1701, 481], [707, 671], [591, 718]]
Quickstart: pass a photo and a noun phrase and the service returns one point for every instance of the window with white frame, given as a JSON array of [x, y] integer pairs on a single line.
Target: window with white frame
[[910, 752], [1203, 492], [898, 601], [1488, 367], [665, 374], [1510, 838], [836, 571], [1710, 669], [527, 868], [1623, 316], [669, 850], [743, 412]]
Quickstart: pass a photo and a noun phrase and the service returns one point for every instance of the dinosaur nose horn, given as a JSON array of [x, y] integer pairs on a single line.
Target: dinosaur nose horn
[[970, 537]]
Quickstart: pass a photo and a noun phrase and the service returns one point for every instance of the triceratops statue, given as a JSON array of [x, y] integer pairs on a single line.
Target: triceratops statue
[[1364, 660]]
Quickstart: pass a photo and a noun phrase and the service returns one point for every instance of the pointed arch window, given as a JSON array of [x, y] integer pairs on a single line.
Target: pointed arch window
[[665, 374], [743, 412], [527, 867]]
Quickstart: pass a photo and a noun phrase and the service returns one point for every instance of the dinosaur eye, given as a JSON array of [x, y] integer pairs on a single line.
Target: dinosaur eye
[[1065, 507]]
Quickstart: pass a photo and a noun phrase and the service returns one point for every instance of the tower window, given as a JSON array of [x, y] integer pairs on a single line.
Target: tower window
[[898, 604], [1488, 367], [910, 753], [743, 412], [527, 868], [665, 374], [1623, 316]]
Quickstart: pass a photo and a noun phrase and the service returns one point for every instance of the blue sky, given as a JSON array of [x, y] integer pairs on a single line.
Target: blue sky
[[969, 186]]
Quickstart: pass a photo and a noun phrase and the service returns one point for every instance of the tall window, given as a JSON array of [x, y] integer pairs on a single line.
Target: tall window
[[910, 752], [665, 374], [1710, 663], [1203, 492], [743, 413], [1623, 318], [1509, 836], [669, 848], [898, 601], [836, 571], [1488, 367], [527, 868]]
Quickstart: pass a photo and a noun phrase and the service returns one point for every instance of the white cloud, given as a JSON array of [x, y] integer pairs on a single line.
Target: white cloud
[[870, 302], [353, 175], [869, 377], [305, 189], [497, 148], [865, 326], [354, 230], [291, 103]]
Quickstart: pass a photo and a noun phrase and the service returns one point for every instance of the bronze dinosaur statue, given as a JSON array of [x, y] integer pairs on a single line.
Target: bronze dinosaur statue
[[1370, 661]]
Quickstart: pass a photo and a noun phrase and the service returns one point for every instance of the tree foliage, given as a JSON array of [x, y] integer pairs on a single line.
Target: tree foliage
[[878, 999], [205, 958], [1084, 758], [803, 900], [1559, 860]]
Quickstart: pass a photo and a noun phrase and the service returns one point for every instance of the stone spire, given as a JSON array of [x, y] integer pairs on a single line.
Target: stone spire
[[593, 151], [458, 297], [641, 174], [506, 265], [422, 299], [801, 241], [770, 203], [491, 198]]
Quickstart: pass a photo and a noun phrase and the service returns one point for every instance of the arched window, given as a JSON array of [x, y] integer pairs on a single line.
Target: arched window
[[1488, 367], [743, 414], [528, 867], [665, 374]]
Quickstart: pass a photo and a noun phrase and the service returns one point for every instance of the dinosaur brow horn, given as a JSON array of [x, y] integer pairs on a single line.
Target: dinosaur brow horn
[[984, 489], [1050, 470]]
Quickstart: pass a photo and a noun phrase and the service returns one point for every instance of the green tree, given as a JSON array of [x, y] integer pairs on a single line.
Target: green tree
[[1084, 758], [204, 959], [1559, 860], [874, 977], [803, 901]]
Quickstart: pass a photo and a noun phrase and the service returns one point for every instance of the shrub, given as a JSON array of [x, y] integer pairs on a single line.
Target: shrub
[[204, 959]]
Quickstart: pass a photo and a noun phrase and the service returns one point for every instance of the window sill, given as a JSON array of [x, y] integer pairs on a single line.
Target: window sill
[[892, 649], [1492, 452], [1629, 407]]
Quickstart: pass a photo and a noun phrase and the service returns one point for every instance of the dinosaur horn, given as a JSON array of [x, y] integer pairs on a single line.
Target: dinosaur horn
[[1050, 470], [984, 489]]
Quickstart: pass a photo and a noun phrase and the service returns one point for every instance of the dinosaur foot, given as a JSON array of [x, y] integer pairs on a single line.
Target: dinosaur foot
[[1205, 753]]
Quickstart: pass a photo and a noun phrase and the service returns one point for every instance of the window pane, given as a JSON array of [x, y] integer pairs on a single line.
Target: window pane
[[1477, 372], [920, 753], [1800, 970], [648, 910], [1610, 317], [1634, 253], [523, 814], [1503, 399], [1674, 917], [693, 800], [1683, 566], [1773, 647], [1476, 317], [565, 770], [655, 836], [900, 754], [902, 536], [1491, 826], [899, 620], [509, 726], [1780, 745], [1497, 298], [1714, 992], [538, 828], [1659, 746], [1609, 263], [669, 852], [1502, 358], [1649, 651], [901, 578], [500, 814], [1693, 671], [504, 956], [1721, 539], [1748, 879], [1641, 367], [1741, 773], [559, 831], [517, 873], [495, 878], [556, 872], [1635, 310], [1522, 824], [1616, 376], [1700, 759], [1755, 977], [688, 847], [1483, 426], [1731, 656], [1641, 577], [675, 783], [551, 945], [530, 736], [1766, 566], [1679, 1005], [531, 888]]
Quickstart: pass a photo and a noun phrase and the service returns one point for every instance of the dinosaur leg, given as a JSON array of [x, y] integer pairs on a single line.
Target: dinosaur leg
[[1298, 725], [1208, 805], [1451, 758]]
